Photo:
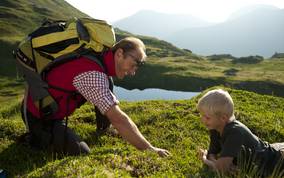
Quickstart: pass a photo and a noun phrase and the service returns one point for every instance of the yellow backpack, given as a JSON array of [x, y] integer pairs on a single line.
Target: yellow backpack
[[54, 43]]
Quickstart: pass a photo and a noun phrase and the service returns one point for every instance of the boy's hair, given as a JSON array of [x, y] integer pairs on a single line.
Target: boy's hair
[[130, 44], [217, 103]]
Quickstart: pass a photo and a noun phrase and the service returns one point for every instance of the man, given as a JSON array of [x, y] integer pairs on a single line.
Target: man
[[90, 81]]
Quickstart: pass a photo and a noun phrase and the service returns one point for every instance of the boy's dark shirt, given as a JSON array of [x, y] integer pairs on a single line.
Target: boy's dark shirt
[[237, 137]]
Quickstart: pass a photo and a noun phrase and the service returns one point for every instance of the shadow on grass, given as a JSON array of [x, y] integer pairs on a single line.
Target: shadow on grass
[[205, 172], [8, 62], [18, 159]]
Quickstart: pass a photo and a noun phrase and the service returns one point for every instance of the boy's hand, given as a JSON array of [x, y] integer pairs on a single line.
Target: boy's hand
[[202, 154]]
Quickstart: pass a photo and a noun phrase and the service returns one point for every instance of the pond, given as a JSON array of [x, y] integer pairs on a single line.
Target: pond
[[151, 94]]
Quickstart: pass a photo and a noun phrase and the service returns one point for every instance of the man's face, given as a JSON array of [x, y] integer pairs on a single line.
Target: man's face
[[127, 62]]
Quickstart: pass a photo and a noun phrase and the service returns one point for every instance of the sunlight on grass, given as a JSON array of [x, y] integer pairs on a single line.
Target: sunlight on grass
[[174, 125]]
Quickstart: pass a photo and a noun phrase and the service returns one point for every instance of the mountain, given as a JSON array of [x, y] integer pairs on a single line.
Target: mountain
[[157, 24], [248, 9], [257, 30], [155, 47]]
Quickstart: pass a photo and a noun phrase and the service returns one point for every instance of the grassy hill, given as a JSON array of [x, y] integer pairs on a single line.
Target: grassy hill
[[174, 125], [186, 73], [20, 17]]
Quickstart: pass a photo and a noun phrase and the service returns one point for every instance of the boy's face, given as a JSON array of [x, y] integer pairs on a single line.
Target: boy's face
[[211, 122]]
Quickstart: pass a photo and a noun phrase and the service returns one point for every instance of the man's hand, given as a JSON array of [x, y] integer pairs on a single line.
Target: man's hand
[[161, 152]]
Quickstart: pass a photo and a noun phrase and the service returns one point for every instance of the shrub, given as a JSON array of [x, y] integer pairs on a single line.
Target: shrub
[[277, 55], [220, 56], [249, 59]]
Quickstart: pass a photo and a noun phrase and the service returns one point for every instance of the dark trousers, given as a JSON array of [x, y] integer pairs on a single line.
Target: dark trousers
[[54, 134]]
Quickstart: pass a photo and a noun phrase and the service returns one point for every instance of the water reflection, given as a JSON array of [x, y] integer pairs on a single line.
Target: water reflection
[[151, 94]]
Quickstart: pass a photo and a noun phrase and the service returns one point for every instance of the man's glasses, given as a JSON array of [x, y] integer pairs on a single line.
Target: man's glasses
[[138, 62]]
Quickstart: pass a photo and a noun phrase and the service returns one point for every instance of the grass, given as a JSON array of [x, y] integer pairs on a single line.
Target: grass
[[173, 125], [269, 69], [187, 73], [10, 89], [21, 17]]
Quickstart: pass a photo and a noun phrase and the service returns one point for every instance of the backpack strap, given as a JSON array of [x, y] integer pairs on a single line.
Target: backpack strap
[[82, 31], [96, 57]]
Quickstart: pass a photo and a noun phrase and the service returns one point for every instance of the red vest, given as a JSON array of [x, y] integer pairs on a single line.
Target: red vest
[[62, 76]]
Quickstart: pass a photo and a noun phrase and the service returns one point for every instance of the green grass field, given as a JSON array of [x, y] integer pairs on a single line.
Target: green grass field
[[173, 125], [187, 73]]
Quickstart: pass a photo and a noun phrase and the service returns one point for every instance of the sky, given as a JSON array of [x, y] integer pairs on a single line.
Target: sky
[[209, 10]]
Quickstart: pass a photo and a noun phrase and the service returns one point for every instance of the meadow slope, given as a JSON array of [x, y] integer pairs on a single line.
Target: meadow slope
[[173, 125]]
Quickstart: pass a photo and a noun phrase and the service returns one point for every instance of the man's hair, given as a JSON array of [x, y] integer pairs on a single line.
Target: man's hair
[[130, 44], [217, 103]]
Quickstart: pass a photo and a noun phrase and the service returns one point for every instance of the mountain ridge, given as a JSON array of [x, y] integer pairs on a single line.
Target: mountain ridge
[[158, 24], [258, 30], [256, 33]]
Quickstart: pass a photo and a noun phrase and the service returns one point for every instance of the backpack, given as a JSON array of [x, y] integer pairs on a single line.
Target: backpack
[[54, 43]]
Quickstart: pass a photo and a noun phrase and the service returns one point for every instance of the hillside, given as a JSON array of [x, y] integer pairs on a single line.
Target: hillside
[[174, 125], [20, 17], [189, 74]]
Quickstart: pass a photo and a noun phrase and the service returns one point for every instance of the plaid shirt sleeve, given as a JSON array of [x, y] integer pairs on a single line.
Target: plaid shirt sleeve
[[94, 86]]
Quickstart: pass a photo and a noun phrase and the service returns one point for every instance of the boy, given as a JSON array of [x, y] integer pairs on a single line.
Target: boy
[[230, 139]]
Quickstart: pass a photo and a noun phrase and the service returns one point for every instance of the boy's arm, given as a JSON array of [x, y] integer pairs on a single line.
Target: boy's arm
[[212, 157], [208, 159], [222, 164]]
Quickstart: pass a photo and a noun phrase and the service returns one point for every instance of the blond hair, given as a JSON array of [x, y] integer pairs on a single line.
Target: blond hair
[[130, 44], [217, 103]]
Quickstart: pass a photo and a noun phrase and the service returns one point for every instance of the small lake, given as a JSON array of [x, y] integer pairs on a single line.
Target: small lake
[[151, 94]]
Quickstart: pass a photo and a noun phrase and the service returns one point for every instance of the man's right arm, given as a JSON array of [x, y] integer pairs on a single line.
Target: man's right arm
[[94, 86], [129, 131]]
